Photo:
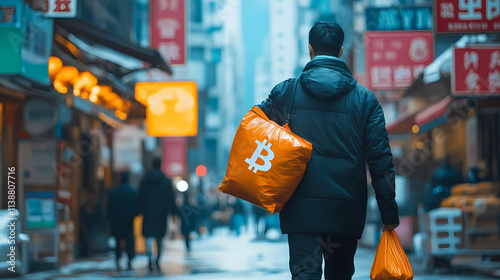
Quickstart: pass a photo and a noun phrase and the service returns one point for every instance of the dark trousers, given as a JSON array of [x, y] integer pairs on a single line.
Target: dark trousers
[[129, 246], [307, 251]]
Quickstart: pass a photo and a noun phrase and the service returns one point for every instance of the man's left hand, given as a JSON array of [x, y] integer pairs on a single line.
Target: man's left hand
[[390, 227]]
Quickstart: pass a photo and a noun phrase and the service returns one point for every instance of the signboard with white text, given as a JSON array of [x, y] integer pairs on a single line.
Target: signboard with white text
[[399, 18], [395, 59], [476, 71], [168, 29], [467, 16]]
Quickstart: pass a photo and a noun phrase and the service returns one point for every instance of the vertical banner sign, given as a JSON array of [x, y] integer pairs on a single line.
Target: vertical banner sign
[[473, 16], [395, 59], [476, 71], [174, 156], [168, 29]]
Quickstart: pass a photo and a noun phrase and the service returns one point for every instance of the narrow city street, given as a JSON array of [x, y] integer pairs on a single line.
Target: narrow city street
[[127, 126], [222, 256]]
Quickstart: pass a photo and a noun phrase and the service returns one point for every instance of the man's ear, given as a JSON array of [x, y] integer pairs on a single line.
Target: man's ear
[[311, 51], [341, 51]]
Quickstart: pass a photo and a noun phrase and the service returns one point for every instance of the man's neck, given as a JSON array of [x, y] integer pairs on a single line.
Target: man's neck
[[325, 56]]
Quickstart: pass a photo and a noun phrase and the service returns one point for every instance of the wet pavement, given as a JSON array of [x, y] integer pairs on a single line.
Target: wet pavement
[[222, 256]]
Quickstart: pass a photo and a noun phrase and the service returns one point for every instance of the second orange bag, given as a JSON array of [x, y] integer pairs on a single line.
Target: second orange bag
[[390, 261], [266, 162]]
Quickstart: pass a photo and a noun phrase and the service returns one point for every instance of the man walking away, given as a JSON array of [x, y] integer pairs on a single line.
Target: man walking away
[[345, 124], [156, 202], [122, 208]]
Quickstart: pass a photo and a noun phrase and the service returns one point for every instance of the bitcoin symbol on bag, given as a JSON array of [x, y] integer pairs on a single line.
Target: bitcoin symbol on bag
[[257, 154]]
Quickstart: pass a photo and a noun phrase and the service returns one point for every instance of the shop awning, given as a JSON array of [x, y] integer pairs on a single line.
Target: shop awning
[[433, 112], [109, 46], [402, 125]]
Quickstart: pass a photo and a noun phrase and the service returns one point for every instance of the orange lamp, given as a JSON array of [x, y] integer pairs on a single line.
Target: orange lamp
[[55, 65], [65, 77], [84, 83]]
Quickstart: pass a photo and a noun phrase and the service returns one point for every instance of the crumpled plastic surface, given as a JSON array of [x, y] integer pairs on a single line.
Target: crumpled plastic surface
[[266, 179], [390, 261]]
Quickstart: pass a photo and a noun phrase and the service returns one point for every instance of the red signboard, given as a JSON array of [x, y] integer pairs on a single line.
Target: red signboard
[[395, 59], [61, 8], [168, 29], [473, 16], [174, 156], [476, 71]]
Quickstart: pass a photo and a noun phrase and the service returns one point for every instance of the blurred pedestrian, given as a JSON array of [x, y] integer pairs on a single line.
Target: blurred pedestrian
[[238, 217], [260, 224], [440, 184], [188, 213], [156, 202], [122, 208], [345, 124]]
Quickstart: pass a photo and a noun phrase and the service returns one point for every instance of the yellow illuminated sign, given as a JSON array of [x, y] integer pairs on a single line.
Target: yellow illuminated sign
[[172, 107]]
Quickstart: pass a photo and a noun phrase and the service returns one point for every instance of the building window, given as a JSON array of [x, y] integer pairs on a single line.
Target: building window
[[196, 11], [197, 53]]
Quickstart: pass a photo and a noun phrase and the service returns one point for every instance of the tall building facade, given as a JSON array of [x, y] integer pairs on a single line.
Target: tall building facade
[[215, 63]]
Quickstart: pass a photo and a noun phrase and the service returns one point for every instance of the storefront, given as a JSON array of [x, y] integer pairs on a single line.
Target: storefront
[[447, 133], [62, 96]]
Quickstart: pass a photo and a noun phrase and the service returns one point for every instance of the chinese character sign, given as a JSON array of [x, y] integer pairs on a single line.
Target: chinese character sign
[[61, 8], [458, 16], [395, 59], [168, 29], [476, 71]]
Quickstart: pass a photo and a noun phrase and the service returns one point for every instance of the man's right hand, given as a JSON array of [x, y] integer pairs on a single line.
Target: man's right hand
[[390, 227]]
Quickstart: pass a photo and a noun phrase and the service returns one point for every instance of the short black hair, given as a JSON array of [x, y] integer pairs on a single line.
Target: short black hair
[[125, 177], [326, 38], [156, 162]]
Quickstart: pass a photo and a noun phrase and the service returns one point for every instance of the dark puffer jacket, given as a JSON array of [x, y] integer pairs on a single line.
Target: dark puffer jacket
[[345, 124]]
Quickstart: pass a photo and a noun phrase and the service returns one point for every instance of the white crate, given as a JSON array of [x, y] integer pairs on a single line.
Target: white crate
[[445, 245]]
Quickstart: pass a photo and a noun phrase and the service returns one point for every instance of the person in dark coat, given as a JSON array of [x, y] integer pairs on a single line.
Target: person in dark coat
[[345, 124], [440, 184], [156, 202], [188, 212], [122, 208]]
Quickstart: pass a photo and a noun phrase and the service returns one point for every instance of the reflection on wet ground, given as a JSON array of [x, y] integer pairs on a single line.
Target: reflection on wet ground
[[222, 256]]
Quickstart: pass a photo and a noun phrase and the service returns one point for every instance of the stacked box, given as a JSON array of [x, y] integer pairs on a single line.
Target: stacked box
[[484, 242], [480, 204], [66, 242]]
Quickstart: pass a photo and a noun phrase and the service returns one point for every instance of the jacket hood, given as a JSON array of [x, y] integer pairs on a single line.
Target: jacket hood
[[327, 78]]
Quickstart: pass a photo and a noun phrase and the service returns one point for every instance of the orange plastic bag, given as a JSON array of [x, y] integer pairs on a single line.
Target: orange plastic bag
[[390, 261], [266, 162]]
